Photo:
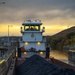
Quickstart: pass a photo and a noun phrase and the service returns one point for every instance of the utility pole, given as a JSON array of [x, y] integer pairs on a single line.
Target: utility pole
[[8, 37]]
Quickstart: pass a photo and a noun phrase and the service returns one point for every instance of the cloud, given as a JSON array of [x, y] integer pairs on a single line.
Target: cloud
[[51, 11], [41, 4]]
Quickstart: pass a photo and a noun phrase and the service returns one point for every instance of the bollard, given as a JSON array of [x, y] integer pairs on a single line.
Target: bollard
[[19, 52], [47, 52]]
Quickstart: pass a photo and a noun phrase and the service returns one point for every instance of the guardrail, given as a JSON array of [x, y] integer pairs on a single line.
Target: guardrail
[[6, 55], [5, 62]]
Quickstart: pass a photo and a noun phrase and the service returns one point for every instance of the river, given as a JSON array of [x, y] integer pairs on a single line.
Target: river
[[62, 56]]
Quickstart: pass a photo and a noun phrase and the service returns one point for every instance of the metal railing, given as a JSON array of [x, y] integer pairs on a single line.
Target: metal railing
[[5, 61], [6, 55]]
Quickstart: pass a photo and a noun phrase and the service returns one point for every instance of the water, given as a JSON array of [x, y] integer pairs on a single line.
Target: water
[[59, 55], [62, 56]]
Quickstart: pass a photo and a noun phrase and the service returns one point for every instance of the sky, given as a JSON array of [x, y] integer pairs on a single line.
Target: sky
[[56, 15]]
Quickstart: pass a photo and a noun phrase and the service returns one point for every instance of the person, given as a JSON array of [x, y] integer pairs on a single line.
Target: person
[[48, 51]]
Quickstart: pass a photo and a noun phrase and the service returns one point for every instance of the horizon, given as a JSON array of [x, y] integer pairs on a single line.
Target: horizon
[[43, 35]]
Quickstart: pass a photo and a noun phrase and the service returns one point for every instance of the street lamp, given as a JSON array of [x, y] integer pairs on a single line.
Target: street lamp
[[8, 36]]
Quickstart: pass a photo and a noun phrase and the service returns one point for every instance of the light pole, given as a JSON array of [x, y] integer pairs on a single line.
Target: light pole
[[8, 36]]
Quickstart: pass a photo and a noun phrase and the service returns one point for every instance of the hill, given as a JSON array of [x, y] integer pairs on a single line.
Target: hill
[[65, 32], [63, 38]]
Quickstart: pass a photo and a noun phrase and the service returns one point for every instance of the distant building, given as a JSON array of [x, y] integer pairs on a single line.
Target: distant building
[[13, 40], [3, 50]]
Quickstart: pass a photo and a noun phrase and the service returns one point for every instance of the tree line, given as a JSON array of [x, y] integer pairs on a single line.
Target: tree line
[[57, 43]]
